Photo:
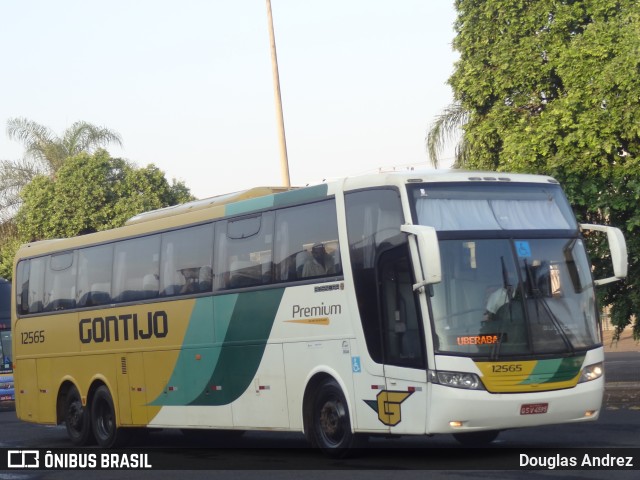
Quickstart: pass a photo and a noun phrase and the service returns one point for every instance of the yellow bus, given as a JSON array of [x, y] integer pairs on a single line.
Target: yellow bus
[[412, 303]]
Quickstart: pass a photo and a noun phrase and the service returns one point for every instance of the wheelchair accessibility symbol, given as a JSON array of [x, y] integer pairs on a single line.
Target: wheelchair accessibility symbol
[[523, 249], [355, 364]]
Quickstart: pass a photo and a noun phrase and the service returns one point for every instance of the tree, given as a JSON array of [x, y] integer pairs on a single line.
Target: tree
[[89, 193], [443, 130], [551, 86], [42, 145], [45, 153]]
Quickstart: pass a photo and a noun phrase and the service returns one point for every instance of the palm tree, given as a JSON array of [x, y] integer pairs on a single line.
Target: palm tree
[[444, 129], [45, 153], [42, 145]]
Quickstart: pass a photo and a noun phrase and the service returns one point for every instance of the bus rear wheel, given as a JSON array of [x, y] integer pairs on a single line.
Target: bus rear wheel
[[77, 419], [330, 428], [103, 420]]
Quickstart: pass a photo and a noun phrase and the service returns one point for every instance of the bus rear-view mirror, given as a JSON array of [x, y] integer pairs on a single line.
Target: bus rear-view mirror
[[428, 252], [618, 249]]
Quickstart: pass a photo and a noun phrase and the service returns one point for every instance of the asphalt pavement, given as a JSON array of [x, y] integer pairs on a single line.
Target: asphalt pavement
[[621, 394]]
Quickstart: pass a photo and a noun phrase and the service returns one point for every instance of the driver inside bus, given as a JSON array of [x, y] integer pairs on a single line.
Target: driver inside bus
[[496, 300], [319, 263]]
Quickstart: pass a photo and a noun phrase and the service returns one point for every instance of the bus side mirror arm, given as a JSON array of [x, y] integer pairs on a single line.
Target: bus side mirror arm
[[618, 249], [420, 286], [428, 252]]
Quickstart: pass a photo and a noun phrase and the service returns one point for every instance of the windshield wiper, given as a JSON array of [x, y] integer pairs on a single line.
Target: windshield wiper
[[495, 353], [540, 300]]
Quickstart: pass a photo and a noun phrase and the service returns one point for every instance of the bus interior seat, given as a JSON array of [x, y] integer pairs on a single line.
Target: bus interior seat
[[337, 267], [467, 294], [205, 278], [243, 273], [100, 298], [99, 295], [35, 307], [301, 259], [60, 304], [150, 282]]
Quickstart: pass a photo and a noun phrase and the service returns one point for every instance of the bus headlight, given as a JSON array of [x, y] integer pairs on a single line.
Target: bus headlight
[[592, 372], [468, 381]]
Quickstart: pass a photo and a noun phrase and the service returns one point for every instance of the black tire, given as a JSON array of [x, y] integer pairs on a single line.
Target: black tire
[[330, 422], [477, 439], [77, 419], [103, 420]]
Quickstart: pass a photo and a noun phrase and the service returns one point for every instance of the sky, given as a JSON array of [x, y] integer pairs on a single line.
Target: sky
[[188, 83]]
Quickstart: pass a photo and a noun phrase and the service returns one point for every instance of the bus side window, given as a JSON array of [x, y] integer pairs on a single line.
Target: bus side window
[[36, 284], [22, 283], [243, 250], [186, 261], [298, 230], [60, 282], [137, 269], [94, 276]]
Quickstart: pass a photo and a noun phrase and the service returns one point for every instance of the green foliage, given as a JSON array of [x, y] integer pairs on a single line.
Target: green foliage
[[89, 193], [553, 86], [443, 129], [45, 153], [9, 244], [44, 146]]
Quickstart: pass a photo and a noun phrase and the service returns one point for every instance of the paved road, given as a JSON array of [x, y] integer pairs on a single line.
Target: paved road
[[622, 367], [270, 456]]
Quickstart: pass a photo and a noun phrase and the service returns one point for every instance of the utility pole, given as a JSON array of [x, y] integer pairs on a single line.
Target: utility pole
[[284, 161]]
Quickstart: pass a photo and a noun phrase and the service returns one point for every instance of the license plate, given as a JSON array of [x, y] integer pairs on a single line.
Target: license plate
[[533, 408]]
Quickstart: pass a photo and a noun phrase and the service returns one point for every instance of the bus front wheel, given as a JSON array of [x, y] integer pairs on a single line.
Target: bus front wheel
[[76, 419], [103, 420], [330, 428]]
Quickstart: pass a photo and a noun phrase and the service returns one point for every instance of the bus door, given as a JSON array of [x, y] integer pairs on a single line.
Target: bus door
[[395, 382], [132, 400], [402, 405]]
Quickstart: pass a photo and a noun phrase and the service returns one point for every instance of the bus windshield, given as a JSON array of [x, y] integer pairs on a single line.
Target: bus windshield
[[515, 275], [518, 297]]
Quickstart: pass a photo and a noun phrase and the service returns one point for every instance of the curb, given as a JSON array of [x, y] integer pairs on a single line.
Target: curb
[[622, 394], [622, 386]]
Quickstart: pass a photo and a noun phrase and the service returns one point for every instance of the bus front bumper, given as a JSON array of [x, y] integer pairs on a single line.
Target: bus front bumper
[[456, 410]]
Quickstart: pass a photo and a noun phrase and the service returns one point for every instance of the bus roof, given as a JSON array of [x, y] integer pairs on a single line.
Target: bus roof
[[205, 203], [444, 176], [259, 198]]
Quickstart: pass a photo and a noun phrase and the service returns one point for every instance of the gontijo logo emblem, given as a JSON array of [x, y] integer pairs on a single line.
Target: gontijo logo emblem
[[387, 404]]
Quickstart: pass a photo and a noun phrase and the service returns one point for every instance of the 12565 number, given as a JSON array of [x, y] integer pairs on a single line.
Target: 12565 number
[[507, 368], [32, 337]]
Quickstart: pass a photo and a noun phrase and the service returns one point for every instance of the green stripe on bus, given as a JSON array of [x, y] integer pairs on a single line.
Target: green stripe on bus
[[279, 200], [569, 368], [317, 192], [555, 370], [248, 206], [249, 328], [224, 371]]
